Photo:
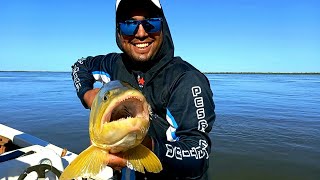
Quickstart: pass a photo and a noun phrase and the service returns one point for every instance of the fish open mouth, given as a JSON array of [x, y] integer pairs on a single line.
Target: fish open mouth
[[127, 107]]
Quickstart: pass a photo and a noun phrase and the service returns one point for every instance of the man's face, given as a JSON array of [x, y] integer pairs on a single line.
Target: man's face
[[141, 46]]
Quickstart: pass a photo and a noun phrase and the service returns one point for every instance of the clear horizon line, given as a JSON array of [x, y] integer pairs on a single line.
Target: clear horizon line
[[205, 72]]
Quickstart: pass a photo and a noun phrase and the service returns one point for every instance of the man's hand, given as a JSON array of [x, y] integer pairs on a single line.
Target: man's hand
[[90, 95], [116, 161]]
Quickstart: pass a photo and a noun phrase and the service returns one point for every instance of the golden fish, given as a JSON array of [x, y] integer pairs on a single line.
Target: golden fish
[[119, 121]]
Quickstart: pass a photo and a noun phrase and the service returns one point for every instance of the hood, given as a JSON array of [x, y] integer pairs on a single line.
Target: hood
[[166, 50]]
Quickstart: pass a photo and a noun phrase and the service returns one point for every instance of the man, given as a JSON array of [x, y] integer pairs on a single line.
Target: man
[[179, 94]]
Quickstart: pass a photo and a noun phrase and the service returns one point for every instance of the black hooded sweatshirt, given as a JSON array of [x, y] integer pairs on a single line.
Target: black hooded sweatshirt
[[180, 97]]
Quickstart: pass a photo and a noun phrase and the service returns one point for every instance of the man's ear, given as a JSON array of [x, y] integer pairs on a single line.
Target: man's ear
[[119, 35]]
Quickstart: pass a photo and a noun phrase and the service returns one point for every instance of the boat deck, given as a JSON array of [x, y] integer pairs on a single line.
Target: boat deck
[[20, 151]]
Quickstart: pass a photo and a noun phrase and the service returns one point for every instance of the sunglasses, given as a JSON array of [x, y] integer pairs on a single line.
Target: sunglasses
[[130, 27]]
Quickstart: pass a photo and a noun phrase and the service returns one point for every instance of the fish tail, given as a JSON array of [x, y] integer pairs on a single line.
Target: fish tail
[[140, 158], [88, 163]]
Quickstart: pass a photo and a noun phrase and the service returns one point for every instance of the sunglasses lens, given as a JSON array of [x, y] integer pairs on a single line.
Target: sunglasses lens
[[128, 27], [151, 25]]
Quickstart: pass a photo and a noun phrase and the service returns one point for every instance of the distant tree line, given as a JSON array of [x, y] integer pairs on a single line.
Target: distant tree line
[[309, 73]]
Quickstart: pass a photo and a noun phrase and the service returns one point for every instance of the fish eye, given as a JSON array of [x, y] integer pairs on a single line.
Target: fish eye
[[106, 95]]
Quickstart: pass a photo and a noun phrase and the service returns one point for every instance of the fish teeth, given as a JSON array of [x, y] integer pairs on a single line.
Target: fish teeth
[[126, 98]]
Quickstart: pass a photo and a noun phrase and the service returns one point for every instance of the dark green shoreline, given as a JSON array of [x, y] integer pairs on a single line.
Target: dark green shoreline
[[301, 73], [285, 73]]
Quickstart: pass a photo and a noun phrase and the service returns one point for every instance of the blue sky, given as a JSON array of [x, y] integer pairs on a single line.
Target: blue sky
[[213, 35]]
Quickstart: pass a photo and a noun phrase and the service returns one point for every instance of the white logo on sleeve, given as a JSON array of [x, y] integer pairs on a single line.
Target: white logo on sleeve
[[76, 79], [199, 152], [199, 104], [196, 90]]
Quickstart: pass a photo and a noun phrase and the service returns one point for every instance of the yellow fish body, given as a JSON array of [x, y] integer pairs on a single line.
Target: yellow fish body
[[119, 121]]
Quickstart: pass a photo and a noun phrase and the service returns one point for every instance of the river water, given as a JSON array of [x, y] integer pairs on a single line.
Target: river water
[[267, 126]]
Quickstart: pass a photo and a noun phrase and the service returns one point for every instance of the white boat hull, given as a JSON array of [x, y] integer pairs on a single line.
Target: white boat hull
[[43, 153]]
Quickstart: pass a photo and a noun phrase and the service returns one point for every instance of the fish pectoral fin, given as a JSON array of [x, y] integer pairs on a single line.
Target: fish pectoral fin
[[88, 163], [141, 157]]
